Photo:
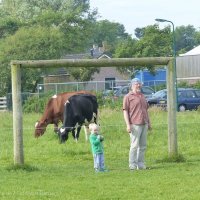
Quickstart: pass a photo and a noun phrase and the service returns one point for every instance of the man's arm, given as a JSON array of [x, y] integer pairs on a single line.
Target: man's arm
[[126, 118]]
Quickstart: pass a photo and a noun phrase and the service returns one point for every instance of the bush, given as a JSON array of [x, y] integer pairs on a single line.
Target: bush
[[183, 84], [38, 104], [197, 85], [35, 104]]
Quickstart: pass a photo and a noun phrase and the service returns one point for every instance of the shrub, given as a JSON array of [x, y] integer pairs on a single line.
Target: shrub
[[35, 104], [38, 104], [183, 84], [197, 85]]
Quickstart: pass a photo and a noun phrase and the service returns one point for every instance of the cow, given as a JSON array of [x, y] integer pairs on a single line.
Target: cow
[[79, 110], [53, 113]]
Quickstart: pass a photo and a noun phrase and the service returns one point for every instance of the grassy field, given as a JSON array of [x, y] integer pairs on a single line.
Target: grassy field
[[65, 172]]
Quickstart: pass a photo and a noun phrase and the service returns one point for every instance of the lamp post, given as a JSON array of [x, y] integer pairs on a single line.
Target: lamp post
[[174, 55]]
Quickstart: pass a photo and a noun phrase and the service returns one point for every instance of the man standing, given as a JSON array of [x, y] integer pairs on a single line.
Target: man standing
[[137, 123]]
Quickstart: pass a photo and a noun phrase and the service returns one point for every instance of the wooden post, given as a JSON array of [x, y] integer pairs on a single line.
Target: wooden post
[[17, 115], [113, 62], [171, 107]]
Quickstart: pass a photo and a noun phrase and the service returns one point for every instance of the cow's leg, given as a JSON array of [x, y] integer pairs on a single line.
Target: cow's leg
[[76, 132], [86, 130], [78, 129]]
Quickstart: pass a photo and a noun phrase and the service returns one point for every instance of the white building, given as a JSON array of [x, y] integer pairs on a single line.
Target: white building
[[188, 66]]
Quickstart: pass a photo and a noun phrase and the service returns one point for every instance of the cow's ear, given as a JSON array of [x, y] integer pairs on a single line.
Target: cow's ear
[[36, 123]]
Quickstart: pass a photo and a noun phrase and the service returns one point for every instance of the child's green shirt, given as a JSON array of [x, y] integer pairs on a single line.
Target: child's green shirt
[[96, 144]]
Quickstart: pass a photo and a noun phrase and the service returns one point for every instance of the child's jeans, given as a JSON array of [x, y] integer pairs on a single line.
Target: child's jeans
[[99, 161]]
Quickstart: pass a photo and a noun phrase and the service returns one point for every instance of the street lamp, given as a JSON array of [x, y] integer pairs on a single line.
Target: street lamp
[[174, 55], [174, 42]]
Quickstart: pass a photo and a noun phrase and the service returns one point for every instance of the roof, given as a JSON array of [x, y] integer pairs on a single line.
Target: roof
[[94, 53], [195, 51]]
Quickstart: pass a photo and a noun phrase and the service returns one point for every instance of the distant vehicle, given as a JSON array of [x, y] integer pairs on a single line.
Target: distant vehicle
[[158, 98], [187, 99], [116, 88], [107, 93], [147, 91], [111, 91]]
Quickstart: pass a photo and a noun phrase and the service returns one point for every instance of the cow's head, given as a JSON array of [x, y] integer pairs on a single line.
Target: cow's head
[[63, 134], [40, 128]]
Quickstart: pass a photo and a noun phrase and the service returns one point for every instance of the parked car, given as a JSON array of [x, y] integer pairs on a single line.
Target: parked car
[[111, 91], [159, 98], [147, 91], [187, 99]]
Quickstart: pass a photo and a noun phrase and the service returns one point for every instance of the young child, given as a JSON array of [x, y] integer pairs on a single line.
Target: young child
[[97, 147]]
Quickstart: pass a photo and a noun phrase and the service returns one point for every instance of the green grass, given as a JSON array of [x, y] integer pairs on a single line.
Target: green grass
[[55, 171]]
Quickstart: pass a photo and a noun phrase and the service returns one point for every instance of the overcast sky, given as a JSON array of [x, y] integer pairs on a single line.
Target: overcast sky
[[141, 13]]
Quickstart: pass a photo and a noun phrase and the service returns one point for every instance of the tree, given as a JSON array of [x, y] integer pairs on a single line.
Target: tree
[[8, 26], [73, 17], [197, 38], [139, 32], [185, 38], [109, 33], [42, 30], [83, 73], [33, 43], [155, 42], [125, 48], [152, 42]]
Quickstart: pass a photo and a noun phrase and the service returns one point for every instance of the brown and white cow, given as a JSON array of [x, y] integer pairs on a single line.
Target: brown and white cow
[[53, 113]]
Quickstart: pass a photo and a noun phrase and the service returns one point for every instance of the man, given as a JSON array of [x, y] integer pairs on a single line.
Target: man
[[137, 123]]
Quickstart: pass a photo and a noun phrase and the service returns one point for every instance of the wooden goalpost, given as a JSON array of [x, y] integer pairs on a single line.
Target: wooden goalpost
[[113, 62]]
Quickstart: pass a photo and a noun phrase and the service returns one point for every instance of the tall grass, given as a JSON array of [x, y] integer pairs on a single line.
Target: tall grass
[[55, 171]]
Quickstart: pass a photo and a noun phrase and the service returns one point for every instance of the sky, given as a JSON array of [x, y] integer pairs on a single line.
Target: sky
[[141, 13]]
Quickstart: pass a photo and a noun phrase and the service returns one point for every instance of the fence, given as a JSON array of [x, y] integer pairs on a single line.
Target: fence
[[91, 85], [3, 103]]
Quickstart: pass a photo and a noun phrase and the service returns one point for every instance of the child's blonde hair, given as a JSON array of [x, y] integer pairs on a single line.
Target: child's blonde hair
[[93, 127]]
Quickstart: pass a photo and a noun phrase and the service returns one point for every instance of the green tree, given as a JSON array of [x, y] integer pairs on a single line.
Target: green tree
[[125, 48], [155, 42], [33, 43], [197, 38], [185, 38], [139, 32], [8, 26], [83, 73], [73, 17], [152, 42], [108, 34], [42, 30]]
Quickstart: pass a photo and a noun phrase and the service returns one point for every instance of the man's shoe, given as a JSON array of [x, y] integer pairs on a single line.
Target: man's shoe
[[141, 167], [133, 168]]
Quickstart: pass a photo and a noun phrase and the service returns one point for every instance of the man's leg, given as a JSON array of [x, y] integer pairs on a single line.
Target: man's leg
[[134, 144], [142, 147]]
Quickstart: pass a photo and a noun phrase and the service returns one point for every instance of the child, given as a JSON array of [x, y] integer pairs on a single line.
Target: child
[[97, 148]]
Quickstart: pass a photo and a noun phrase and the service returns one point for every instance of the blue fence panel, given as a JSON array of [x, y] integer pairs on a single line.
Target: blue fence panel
[[151, 79]]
